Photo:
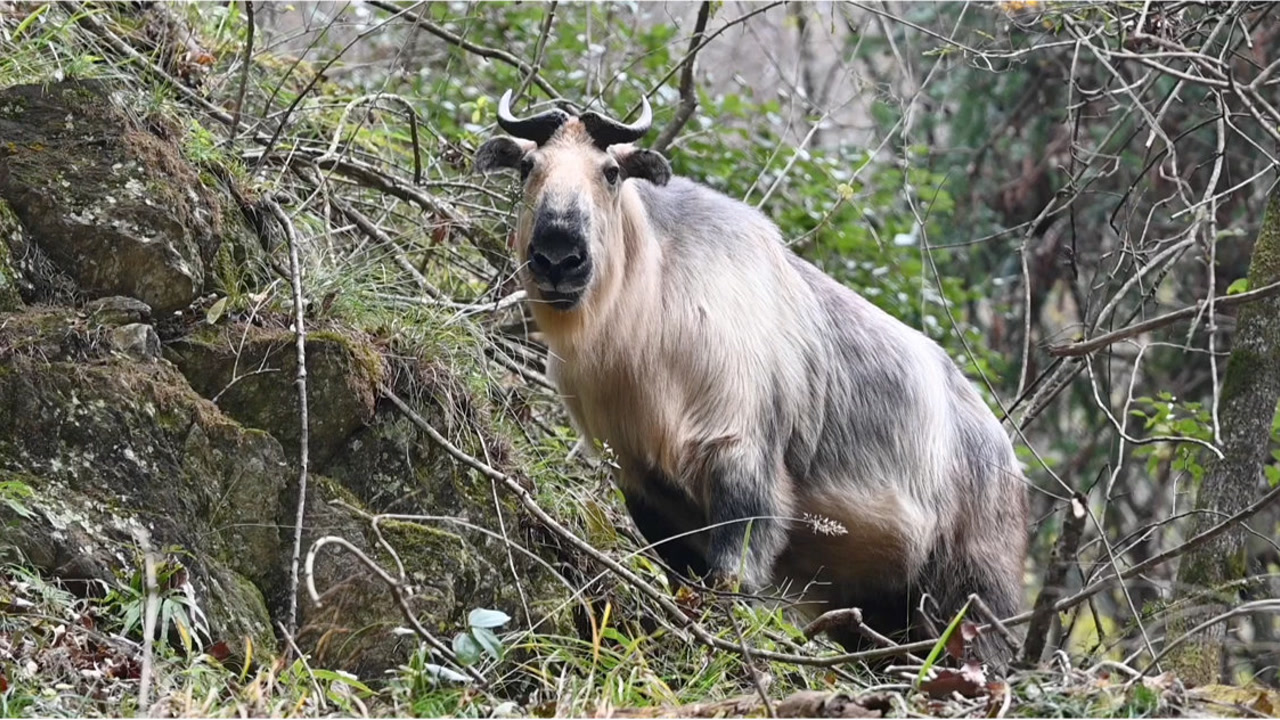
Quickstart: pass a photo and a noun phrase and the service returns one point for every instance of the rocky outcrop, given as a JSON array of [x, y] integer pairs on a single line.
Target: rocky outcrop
[[192, 433], [110, 204], [250, 372], [110, 443]]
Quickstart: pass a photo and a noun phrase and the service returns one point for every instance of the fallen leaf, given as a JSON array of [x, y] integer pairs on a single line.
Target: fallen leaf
[[219, 651], [968, 681]]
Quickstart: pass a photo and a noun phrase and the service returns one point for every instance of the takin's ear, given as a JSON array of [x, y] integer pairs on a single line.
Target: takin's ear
[[502, 153], [645, 164]]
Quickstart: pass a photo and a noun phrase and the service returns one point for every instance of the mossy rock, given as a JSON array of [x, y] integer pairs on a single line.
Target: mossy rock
[[354, 626], [111, 444], [240, 264], [391, 466], [112, 205], [26, 273], [449, 571], [250, 372], [10, 280]]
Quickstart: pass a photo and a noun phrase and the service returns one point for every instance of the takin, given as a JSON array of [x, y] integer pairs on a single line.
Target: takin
[[772, 428]]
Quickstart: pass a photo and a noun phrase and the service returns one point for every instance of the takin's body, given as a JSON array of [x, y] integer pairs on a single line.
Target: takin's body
[[770, 424], [735, 380]]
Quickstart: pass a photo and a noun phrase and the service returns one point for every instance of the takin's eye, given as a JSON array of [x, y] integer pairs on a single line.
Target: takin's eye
[[526, 167], [611, 174]]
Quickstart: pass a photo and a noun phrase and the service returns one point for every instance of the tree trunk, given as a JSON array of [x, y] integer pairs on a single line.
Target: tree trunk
[[1209, 578]]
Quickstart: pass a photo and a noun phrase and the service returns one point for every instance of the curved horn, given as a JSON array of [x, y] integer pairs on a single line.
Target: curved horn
[[607, 131], [538, 128]]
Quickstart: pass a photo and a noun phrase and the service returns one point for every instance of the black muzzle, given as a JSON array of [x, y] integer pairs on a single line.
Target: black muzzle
[[559, 259]]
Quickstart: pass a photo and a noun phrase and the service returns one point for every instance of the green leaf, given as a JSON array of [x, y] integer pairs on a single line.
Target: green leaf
[[941, 645], [467, 649], [1239, 286], [488, 641], [481, 618], [12, 493], [215, 312], [27, 21]]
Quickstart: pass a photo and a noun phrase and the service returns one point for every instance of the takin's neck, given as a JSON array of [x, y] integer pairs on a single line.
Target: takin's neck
[[625, 301]]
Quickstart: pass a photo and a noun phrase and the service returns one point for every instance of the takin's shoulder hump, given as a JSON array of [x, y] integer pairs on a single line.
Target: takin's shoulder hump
[[684, 213]]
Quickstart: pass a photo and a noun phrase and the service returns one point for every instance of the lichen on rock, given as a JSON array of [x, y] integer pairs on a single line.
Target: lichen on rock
[[113, 206], [109, 443]]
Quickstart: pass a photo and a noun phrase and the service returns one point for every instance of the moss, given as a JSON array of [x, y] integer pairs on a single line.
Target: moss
[[1264, 266], [368, 361], [173, 181], [331, 489], [423, 549], [343, 370], [111, 445], [242, 609], [130, 218], [1250, 392]]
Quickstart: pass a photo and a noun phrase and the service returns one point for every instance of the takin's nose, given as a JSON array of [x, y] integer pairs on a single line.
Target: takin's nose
[[559, 265], [559, 258]]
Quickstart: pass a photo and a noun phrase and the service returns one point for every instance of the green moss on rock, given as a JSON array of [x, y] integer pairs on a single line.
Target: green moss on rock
[[112, 445], [129, 218], [251, 372]]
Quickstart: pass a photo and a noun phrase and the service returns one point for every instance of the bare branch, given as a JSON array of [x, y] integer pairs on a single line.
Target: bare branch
[[1086, 347], [397, 590], [244, 71], [461, 42], [688, 93]]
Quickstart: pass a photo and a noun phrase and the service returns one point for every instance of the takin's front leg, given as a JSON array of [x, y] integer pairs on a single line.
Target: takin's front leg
[[746, 502]]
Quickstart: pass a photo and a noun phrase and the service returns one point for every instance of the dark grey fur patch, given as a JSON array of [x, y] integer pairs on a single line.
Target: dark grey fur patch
[[661, 510], [646, 165], [498, 153]]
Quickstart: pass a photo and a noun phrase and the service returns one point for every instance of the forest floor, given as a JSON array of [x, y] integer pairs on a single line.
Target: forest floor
[[61, 656]]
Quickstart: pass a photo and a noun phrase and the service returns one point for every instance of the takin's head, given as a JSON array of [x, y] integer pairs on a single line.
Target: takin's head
[[573, 170]]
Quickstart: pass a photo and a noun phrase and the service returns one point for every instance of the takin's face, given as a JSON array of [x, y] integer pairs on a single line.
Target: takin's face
[[570, 216]]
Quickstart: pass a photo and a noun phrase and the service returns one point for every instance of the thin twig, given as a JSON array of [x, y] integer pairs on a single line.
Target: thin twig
[[1061, 561], [90, 21], [300, 378], [710, 36], [1267, 605], [669, 608], [315, 684], [850, 617], [397, 590], [373, 99], [461, 42], [311, 84], [1096, 586], [983, 609], [756, 680], [151, 607], [244, 72], [543, 34]]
